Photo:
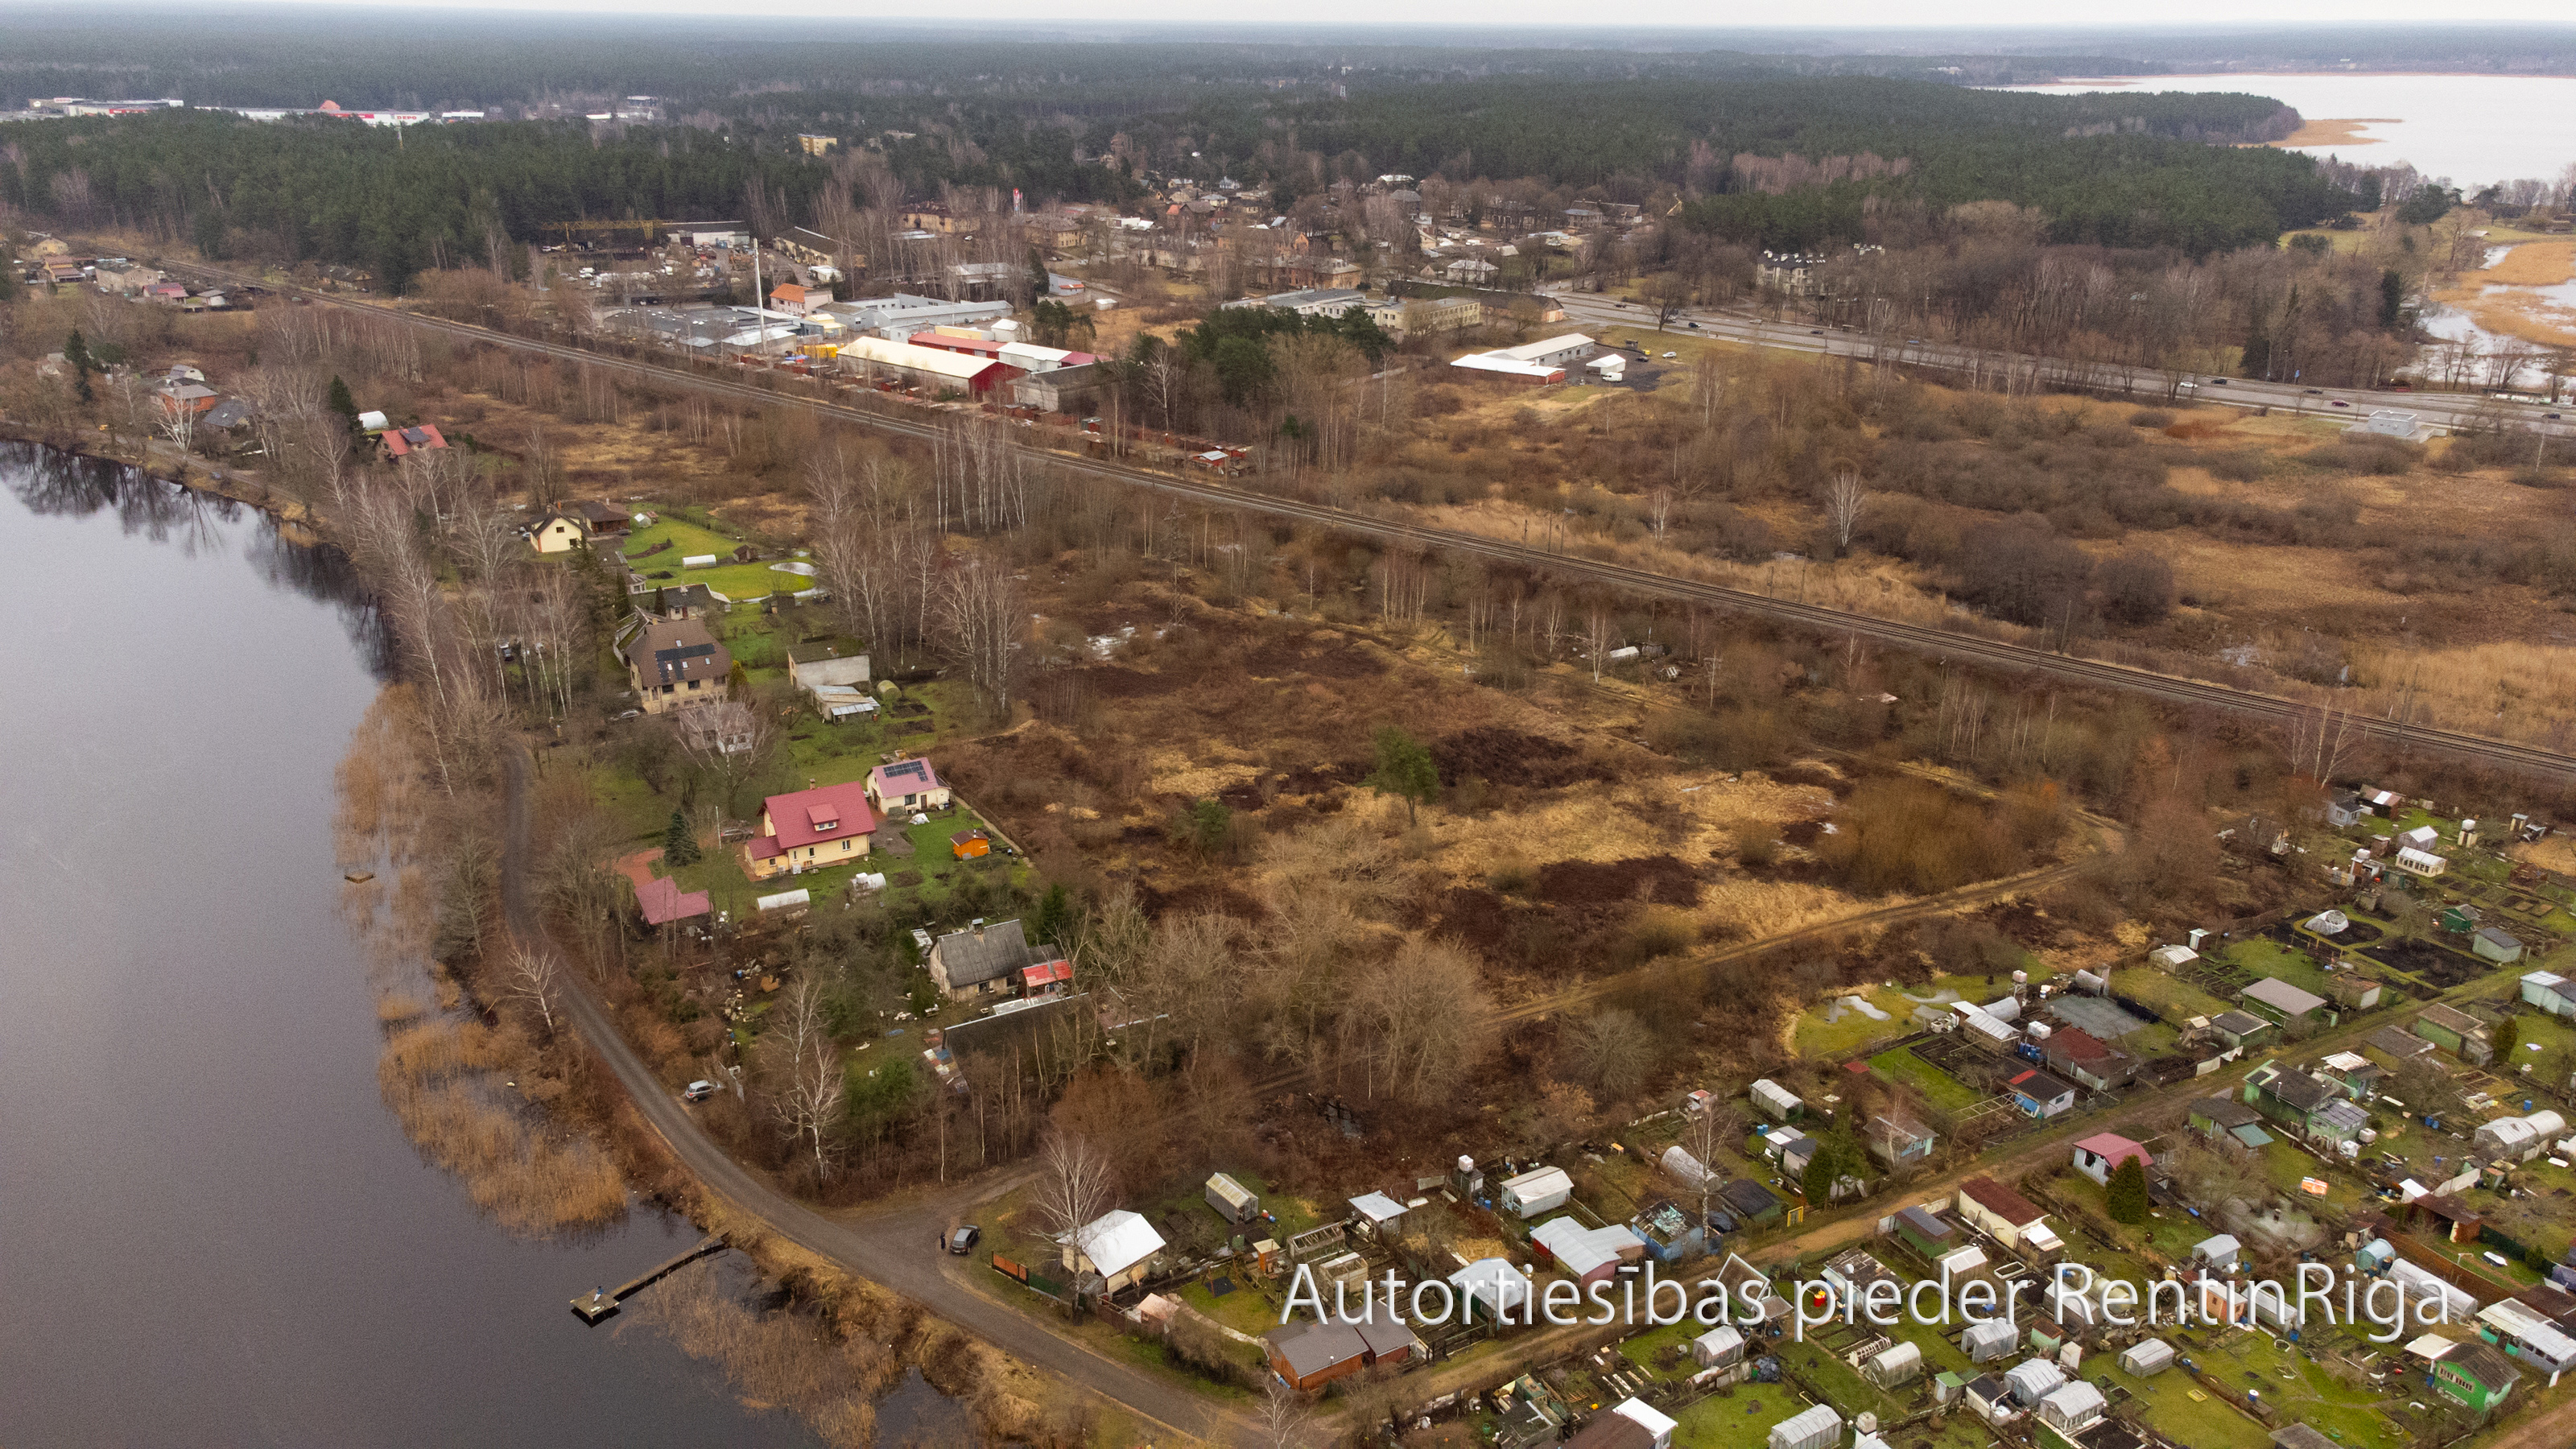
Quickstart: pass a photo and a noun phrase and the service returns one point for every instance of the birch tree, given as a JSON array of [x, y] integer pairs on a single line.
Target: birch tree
[[536, 978]]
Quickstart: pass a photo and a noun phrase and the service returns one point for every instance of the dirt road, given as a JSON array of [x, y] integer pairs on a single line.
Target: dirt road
[[898, 1248]]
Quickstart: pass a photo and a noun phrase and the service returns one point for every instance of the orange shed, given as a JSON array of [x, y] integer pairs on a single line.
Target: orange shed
[[967, 844]]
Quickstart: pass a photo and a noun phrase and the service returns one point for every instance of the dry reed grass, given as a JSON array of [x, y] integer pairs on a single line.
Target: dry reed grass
[[1208, 768], [395, 1009], [1603, 824], [435, 1076], [784, 1359], [2501, 298], [1880, 587]]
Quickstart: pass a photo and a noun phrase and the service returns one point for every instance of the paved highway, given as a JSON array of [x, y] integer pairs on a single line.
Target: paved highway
[[1614, 321], [1387, 528]]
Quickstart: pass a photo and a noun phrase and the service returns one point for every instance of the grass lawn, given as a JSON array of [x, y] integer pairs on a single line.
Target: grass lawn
[[1842, 1039], [1245, 1309], [2285, 1167], [1937, 1086], [2250, 1360], [1737, 1418], [686, 539], [2171, 996], [743, 583], [2271, 958]]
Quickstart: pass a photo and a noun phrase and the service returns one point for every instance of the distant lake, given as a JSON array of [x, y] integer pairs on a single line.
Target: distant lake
[[2473, 129]]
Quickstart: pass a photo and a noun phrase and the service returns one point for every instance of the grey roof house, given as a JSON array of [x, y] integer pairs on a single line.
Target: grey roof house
[[983, 959]]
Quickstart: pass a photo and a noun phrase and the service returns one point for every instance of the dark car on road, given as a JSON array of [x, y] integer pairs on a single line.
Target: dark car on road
[[962, 1241]]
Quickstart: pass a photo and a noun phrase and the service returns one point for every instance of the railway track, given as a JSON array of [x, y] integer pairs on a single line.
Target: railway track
[[1940, 643]]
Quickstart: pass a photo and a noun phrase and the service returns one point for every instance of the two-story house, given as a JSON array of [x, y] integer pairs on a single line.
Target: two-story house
[[809, 830], [675, 663], [906, 785]]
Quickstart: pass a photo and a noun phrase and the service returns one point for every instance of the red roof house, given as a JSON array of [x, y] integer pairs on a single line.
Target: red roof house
[[907, 785], [809, 830], [400, 442], [2101, 1154], [663, 901]]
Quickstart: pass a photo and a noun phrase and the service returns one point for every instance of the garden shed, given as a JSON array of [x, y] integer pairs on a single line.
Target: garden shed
[[1991, 1339], [1776, 1101], [1896, 1364], [1815, 1427], [1531, 1193], [1720, 1347], [2147, 1358]]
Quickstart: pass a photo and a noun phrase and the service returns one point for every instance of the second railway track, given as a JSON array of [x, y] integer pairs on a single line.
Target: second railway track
[[1940, 643]]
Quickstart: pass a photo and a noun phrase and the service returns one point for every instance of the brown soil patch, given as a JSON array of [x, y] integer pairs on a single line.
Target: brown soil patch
[[1479, 917], [1661, 879], [1321, 655], [1497, 753]]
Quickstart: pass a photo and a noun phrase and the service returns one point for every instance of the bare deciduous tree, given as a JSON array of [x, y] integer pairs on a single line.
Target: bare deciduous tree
[[537, 979], [1600, 635], [1427, 1018], [1282, 1420], [980, 614], [1073, 1187], [1844, 500], [2319, 739], [1716, 1128], [726, 740], [179, 423], [805, 1065]]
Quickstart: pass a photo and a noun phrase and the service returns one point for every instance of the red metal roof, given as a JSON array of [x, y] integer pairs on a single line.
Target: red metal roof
[[2000, 1200], [2113, 1146], [664, 902], [972, 346], [797, 819], [399, 441], [1047, 971]]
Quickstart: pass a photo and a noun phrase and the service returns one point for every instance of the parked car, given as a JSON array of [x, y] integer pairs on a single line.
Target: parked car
[[2218, 382], [700, 1091], [1672, 354], [962, 1241]]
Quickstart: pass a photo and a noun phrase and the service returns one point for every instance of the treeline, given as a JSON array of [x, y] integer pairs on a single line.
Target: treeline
[[275, 59], [392, 203]]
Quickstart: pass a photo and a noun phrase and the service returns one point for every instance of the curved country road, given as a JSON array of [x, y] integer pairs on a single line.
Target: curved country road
[[899, 1249]]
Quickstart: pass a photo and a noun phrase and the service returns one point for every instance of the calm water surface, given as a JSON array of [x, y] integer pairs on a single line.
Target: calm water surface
[[2471, 128], [215, 1234]]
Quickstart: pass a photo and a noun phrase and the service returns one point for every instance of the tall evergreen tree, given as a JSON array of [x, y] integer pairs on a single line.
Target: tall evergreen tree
[[76, 356], [342, 403], [679, 843], [2128, 1202]]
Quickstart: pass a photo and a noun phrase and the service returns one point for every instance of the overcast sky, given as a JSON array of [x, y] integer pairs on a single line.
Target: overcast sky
[[2051, 14]]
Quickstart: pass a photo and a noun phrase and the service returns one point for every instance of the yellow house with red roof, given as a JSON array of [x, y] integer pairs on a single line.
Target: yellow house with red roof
[[810, 830]]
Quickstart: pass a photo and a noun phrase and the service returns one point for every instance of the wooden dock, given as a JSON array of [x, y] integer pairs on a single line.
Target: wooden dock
[[600, 1303]]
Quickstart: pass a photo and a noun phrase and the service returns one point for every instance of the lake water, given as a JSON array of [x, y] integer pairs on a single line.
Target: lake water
[[216, 1232], [2473, 129]]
